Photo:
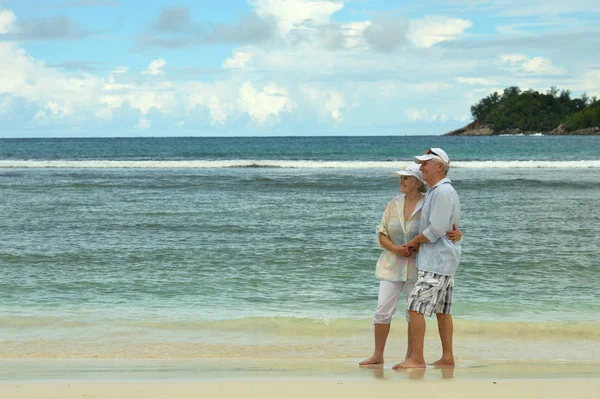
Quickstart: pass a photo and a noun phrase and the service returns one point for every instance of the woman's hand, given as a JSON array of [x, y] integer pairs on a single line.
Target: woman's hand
[[454, 234], [403, 250]]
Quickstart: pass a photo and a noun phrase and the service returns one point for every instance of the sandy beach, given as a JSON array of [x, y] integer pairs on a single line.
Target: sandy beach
[[309, 388], [269, 378]]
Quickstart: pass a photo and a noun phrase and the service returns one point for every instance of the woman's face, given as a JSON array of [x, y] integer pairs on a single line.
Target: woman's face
[[409, 184]]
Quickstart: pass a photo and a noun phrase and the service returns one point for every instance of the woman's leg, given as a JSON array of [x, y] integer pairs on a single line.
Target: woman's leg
[[389, 291]]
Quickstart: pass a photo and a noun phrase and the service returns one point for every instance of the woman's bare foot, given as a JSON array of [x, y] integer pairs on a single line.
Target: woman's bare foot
[[446, 363], [372, 360], [410, 364]]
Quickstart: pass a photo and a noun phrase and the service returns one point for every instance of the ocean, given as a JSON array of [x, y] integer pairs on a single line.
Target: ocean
[[207, 248]]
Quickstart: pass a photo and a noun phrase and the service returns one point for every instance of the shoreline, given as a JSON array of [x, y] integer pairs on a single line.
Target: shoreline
[[279, 340], [26, 371]]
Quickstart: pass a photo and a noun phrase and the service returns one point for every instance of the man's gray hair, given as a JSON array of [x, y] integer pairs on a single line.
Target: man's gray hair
[[446, 165]]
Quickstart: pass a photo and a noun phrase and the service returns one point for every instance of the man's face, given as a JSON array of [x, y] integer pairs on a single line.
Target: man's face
[[429, 169]]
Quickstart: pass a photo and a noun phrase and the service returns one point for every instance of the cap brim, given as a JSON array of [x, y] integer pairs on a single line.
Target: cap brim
[[424, 158], [403, 173]]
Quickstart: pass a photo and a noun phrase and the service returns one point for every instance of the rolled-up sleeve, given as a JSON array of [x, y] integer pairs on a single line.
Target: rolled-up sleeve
[[382, 226], [439, 218]]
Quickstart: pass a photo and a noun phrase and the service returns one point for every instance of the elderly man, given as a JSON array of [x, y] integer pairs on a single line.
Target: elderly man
[[437, 260]]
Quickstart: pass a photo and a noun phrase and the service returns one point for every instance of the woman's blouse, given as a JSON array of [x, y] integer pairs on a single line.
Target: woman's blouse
[[392, 267]]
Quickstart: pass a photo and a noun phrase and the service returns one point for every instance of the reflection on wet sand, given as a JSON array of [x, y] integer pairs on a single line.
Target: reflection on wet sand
[[381, 373]]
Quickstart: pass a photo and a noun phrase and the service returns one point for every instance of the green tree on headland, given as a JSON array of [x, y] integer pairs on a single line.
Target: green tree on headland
[[532, 111], [588, 117]]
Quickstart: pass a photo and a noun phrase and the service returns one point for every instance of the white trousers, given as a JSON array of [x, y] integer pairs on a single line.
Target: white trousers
[[389, 292]]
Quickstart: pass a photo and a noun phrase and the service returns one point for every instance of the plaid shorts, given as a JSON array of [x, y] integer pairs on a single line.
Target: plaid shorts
[[432, 293]]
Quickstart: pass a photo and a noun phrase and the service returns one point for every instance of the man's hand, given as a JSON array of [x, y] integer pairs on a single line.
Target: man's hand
[[412, 243], [403, 250], [454, 234], [414, 248]]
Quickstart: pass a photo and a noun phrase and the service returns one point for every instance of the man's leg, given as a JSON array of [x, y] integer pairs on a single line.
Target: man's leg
[[446, 330], [445, 325], [409, 342], [417, 330]]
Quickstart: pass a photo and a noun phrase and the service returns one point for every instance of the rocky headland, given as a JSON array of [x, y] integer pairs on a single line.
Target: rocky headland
[[477, 129]]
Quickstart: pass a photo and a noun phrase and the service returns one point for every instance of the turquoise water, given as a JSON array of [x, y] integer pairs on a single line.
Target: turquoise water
[[199, 251], [390, 148]]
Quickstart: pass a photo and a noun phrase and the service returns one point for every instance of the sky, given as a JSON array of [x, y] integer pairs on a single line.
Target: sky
[[88, 68]]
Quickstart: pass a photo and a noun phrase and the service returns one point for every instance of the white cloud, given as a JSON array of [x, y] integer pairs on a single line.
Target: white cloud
[[513, 59], [239, 59], [428, 87], [7, 21], [289, 14], [54, 110], [104, 114], [218, 97], [549, 7], [58, 110], [416, 114], [477, 81], [143, 98], [354, 32], [261, 105], [181, 124], [429, 31], [228, 99], [542, 66], [422, 114], [23, 76], [591, 82], [155, 67], [535, 65], [113, 85], [41, 114], [120, 70], [143, 95], [328, 102], [143, 124], [5, 105]]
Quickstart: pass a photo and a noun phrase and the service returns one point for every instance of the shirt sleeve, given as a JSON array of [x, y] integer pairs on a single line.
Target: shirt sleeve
[[382, 227], [439, 218]]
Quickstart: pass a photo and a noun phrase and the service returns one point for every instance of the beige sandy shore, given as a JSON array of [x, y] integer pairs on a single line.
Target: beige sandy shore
[[308, 389]]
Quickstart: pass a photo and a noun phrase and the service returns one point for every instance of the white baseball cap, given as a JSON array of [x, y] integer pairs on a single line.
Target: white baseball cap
[[412, 170], [433, 153]]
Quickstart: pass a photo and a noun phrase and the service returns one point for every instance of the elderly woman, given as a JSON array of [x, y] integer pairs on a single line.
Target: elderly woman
[[396, 267]]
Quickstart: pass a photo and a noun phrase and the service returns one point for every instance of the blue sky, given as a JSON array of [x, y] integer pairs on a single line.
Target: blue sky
[[280, 67]]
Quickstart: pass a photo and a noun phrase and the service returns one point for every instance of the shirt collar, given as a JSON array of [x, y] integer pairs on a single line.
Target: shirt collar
[[444, 180], [418, 207]]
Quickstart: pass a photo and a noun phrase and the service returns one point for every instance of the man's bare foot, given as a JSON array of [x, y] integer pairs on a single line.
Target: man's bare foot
[[410, 364], [372, 360], [443, 363]]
